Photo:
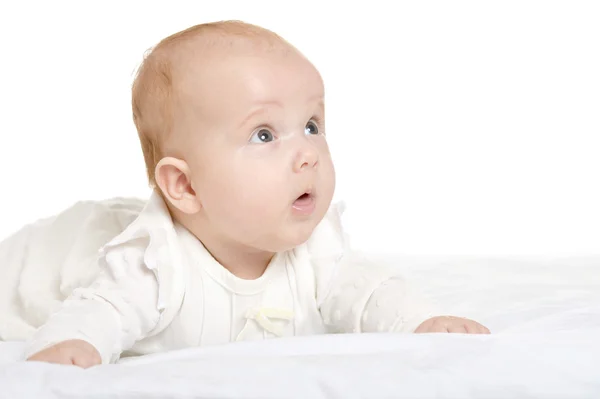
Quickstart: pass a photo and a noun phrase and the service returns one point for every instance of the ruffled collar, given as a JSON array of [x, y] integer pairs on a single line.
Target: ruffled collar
[[168, 243]]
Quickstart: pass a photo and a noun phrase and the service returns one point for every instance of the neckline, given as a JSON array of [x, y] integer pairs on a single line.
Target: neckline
[[200, 258]]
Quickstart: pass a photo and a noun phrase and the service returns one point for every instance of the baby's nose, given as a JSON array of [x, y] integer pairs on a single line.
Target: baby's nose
[[306, 158]]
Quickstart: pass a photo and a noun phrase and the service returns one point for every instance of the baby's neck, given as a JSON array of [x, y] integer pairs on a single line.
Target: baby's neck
[[242, 261]]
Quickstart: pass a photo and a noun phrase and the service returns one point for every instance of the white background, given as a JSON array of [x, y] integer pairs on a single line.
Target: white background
[[456, 127]]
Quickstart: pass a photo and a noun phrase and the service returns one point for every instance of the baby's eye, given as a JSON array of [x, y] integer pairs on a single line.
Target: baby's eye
[[311, 128], [262, 136]]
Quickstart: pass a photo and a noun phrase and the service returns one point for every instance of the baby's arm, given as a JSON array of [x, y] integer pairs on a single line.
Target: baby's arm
[[366, 297], [96, 324], [356, 295], [413, 312]]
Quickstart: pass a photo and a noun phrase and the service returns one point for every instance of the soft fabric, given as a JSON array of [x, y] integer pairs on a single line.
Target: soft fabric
[[42, 263], [155, 288], [544, 314]]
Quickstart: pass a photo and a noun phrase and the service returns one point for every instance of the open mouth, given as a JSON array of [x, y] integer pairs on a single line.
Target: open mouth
[[303, 197], [305, 204]]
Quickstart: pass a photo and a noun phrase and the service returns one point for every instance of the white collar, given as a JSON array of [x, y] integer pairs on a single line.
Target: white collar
[[168, 242]]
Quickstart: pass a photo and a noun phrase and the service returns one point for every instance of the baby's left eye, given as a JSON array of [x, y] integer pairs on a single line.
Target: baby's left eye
[[311, 128]]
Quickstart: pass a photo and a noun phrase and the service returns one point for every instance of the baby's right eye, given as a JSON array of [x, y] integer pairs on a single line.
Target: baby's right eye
[[262, 136]]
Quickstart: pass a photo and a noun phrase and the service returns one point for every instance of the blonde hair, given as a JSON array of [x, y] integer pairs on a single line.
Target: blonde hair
[[152, 90]]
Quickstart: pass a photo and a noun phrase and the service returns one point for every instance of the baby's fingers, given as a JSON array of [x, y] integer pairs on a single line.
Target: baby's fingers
[[473, 327], [47, 357], [483, 330], [458, 328], [86, 361]]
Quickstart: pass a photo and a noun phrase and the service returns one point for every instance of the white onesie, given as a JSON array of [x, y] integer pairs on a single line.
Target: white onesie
[[159, 289]]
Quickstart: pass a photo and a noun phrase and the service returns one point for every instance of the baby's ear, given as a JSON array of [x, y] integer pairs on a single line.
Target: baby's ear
[[174, 180]]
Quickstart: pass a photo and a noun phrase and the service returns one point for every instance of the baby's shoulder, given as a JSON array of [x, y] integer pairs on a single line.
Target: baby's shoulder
[[150, 242]]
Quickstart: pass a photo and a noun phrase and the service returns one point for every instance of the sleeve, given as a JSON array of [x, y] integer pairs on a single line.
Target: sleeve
[[367, 297], [357, 295], [116, 310]]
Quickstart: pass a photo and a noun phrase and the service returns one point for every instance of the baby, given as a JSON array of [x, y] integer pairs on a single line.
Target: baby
[[239, 239]]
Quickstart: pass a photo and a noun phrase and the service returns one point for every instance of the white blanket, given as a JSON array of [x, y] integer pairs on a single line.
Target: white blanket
[[544, 315]]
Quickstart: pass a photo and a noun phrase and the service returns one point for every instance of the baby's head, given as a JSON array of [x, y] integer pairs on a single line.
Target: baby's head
[[231, 121]]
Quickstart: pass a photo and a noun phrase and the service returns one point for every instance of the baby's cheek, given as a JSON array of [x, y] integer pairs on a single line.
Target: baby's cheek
[[327, 170]]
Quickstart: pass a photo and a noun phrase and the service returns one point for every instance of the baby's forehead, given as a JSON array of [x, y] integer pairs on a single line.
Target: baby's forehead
[[211, 61], [205, 65]]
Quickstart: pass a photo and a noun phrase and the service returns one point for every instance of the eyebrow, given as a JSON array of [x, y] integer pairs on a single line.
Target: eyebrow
[[259, 109], [320, 98]]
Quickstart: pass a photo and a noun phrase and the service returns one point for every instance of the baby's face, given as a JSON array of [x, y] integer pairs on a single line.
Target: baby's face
[[259, 161]]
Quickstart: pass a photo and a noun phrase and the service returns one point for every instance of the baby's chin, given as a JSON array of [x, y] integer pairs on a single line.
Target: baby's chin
[[285, 232], [293, 237]]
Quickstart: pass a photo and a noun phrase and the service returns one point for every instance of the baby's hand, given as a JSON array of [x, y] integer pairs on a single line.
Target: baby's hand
[[74, 352], [450, 324]]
